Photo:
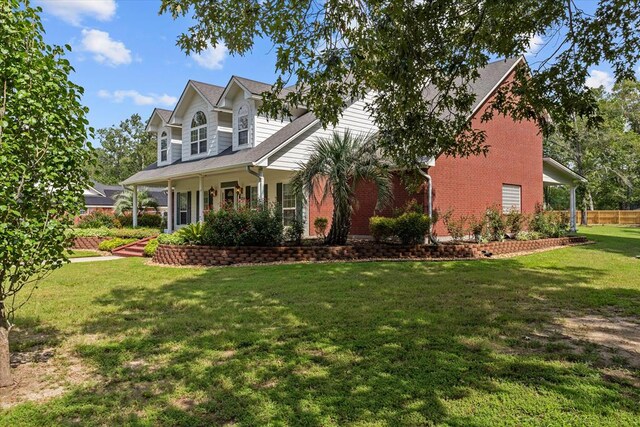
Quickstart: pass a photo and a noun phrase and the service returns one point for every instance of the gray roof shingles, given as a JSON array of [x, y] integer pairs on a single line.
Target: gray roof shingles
[[490, 76]]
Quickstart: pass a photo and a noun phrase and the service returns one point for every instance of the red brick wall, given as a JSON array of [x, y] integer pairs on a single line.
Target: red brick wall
[[322, 210], [470, 185]]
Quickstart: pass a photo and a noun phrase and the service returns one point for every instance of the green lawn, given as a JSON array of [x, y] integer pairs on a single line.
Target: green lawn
[[467, 343]]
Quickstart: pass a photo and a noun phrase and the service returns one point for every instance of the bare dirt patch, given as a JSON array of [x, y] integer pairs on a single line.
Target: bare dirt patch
[[617, 334], [41, 372]]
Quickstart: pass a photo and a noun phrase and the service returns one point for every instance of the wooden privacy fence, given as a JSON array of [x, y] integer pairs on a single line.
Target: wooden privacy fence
[[610, 217]]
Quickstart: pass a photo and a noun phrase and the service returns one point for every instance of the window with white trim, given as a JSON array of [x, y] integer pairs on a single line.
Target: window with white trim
[[164, 147], [511, 198], [199, 133], [243, 125], [288, 204], [183, 208]]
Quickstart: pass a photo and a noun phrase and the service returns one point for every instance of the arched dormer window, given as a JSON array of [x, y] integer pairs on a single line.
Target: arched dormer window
[[199, 133], [164, 147], [243, 125]]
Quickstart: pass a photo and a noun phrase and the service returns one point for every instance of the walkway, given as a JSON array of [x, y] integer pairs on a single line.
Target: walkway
[[96, 258]]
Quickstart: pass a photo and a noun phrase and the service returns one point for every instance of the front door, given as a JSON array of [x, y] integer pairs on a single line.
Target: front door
[[229, 197]]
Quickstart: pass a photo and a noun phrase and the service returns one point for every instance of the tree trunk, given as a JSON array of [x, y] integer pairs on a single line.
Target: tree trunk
[[339, 231], [5, 368]]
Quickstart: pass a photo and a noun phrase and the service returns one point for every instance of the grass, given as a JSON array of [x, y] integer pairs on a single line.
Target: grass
[[78, 253], [375, 344]]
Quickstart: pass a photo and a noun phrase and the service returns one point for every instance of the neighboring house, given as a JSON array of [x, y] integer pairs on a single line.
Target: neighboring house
[[214, 148], [101, 197]]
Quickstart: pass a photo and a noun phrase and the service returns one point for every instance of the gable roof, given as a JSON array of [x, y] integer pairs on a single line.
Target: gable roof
[[210, 93], [490, 78]]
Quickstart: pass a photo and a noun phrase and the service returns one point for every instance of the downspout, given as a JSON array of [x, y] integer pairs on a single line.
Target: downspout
[[430, 200]]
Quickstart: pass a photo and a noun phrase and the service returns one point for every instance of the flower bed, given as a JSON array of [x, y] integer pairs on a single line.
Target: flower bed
[[214, 256]]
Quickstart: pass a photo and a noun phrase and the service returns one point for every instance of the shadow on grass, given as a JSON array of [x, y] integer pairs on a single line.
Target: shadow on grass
[[333, 344]]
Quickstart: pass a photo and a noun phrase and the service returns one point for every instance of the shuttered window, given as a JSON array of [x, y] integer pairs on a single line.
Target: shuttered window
[[511, 198]]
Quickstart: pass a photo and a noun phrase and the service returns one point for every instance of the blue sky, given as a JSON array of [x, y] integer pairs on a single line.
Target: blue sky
[[126, 58]]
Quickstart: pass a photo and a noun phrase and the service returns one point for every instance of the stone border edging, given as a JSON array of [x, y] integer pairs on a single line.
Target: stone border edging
[[87, 242], [208, 256]]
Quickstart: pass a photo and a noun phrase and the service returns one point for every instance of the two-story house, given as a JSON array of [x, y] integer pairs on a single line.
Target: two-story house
[[214, 149]]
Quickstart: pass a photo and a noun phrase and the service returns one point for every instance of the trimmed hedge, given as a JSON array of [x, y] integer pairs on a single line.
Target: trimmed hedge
[[411, 227], [111, 244], [138, 233]]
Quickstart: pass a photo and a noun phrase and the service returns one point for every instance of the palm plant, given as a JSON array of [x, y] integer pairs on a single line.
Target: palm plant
[[335, 168], [124, 201]]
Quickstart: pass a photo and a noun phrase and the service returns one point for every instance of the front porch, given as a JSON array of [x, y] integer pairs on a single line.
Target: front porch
[[555, 173], [190, 197]]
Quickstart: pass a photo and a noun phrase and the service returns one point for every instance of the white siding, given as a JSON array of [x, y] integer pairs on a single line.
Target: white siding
[[511, 198], [267, 127], [355, 118], [199, 104], [176, 145]]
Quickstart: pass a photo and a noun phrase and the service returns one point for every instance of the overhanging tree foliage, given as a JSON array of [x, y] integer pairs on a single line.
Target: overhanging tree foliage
[[419, 57], [43, 157]]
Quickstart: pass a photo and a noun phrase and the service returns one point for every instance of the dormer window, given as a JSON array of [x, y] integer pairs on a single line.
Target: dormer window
[[243, 125], [163, 147], [199, 133]]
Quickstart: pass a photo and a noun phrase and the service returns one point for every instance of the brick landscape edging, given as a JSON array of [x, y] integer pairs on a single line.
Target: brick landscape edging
[[213, 256], [87, 242]]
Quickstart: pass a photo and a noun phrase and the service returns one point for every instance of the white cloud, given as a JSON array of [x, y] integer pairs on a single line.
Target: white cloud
[[536, 42], [104, 48], [212, 58], [599, 78], [73, 11], [138, 98]]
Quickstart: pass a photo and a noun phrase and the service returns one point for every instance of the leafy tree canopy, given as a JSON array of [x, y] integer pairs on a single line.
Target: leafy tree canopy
[[125, 149], [43, 153], [400, 50], [609, 156]]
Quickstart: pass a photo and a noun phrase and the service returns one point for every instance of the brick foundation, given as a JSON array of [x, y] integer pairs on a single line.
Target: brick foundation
[[87, 242], [212, 256]]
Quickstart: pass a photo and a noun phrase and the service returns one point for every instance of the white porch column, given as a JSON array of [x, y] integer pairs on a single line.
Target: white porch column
[[134, 208], [170, 207], [572, 209], [260, 186], [200, 199]]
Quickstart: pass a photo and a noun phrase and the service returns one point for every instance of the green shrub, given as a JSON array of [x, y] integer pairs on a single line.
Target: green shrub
[[514, 221], [478, 228], [111, 244], [549, 223], [294, 231], [320, 226], [243, 227], [98, 219], [266, 227], [150, 248], [382, 227], [495, 223], [144, 220], [91, 232], [528, 235], [455, 227], [171, 239], [192, 233], [412, 228]]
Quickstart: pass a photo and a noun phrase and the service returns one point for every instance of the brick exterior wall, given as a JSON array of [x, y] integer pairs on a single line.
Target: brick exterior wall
[[211, 256], [470, 185], [87, 242]]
